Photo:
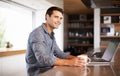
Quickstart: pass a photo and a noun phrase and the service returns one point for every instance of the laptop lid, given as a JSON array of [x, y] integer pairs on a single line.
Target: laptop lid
[[110, 50]]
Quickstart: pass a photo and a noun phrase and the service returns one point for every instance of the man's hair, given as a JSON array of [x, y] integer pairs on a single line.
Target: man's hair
[[51, 9]]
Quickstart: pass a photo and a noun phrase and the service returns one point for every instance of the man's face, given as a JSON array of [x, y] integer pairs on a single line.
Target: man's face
[[55, 19]]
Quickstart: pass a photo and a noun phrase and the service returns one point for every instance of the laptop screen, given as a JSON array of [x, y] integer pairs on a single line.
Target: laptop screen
[[110, 50]]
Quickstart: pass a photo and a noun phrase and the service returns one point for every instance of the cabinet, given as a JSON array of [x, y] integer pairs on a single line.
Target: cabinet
[[79, 36], [110, 26]]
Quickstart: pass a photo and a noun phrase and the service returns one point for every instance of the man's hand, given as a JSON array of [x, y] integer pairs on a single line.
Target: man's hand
[[75, 61]]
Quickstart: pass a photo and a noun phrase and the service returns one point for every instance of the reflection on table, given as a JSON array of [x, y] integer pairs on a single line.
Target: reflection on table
[[95, 70], [78, 71]]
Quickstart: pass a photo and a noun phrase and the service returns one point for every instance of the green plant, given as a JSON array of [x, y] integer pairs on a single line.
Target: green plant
[[2, 31], [2, 42]]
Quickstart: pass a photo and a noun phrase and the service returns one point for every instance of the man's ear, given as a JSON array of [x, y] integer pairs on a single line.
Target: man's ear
[[47, 16]]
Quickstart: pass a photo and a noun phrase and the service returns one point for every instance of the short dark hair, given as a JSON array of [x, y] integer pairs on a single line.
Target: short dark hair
[[53, 8]]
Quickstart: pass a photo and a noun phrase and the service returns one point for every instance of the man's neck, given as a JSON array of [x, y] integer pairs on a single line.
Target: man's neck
[[50, 30]]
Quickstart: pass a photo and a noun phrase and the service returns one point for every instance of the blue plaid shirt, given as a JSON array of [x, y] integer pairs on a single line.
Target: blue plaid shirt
[[42, 49]]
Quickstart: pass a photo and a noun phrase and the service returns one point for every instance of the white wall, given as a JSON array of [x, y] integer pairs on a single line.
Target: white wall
[[41, 6], [15, 65]]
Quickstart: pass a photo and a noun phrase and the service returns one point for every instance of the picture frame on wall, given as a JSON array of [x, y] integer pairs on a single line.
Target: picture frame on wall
[[107, 19]]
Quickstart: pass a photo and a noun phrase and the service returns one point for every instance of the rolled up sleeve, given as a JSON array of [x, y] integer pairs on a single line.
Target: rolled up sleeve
[[59, 53]]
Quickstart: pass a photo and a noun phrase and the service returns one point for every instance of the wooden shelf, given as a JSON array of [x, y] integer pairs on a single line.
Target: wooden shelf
[[79, 32], [115, 14], [110, 23], [80, 21], [9, 52], [80, 37], [81, 27], [89, 45], [102, 36]]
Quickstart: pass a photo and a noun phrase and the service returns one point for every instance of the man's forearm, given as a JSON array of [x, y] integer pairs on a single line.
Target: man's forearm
[[61, 62], [66, 62], [70, 57], [71, 61]]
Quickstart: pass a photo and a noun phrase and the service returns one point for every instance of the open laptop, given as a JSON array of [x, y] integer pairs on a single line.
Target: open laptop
[[108, 55]]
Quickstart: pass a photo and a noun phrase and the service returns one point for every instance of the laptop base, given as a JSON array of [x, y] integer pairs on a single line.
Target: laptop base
[[99, 64]]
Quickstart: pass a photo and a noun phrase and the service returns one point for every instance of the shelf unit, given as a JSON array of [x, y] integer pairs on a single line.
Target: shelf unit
[[79, 34], [113, 18]]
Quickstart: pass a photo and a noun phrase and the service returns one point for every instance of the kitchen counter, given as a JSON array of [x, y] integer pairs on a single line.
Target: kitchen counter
[[111, 70], [95, 70], [11, 51]]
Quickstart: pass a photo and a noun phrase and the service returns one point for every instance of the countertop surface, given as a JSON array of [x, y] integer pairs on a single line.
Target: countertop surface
[[94, 70], [78, 71], [11, 51]]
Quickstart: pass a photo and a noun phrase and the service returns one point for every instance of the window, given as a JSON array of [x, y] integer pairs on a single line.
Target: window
[[15, 25]]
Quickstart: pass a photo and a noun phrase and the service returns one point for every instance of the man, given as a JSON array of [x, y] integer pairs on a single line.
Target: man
[[42, 50]]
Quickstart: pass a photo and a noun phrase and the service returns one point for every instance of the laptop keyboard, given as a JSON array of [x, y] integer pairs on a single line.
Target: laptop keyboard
[[99, 60]]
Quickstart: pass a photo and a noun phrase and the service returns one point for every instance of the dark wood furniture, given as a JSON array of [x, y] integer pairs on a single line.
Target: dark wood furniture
[[111, 70]]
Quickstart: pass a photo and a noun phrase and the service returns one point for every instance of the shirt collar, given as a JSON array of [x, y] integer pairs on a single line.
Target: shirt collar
[[44, 28], [46, 31]]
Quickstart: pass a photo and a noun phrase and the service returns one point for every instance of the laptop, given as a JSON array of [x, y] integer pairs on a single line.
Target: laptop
[[108, 55]]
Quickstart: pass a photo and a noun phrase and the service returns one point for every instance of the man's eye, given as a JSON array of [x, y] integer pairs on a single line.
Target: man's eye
[[61, 18], [56, 16]]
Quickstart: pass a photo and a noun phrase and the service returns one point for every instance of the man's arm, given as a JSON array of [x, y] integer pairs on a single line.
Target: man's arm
[[70, 57], [70, 61]]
